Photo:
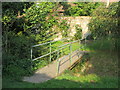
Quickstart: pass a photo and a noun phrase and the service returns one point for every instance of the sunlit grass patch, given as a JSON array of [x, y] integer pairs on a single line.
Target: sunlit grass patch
[[67, 81], [92, 81]]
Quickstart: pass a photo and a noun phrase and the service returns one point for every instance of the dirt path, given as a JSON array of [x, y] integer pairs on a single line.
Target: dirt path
[[50, 71]]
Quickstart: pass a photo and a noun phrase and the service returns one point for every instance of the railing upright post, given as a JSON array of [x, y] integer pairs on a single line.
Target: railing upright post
[[31, 58], [57, 62], [79, 44], [50, 52], [79, 48], [31, 53], [70, 53]]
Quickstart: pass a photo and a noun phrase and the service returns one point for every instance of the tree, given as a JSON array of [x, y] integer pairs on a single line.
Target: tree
[[81, 8]]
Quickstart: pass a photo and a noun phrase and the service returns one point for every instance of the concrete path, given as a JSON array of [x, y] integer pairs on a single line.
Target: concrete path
[[50, 71]]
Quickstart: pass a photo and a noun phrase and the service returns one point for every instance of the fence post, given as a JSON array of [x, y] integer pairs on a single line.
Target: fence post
[[31, 53], [79, 47], [70, 53], [50, 52], [57, 62], [31, 59], [79, 44]]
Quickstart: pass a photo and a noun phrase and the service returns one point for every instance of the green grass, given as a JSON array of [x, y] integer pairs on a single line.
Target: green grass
[[100, 71], [102, 44], [59, 43], [102, 74], [75, 46], [67, 81]]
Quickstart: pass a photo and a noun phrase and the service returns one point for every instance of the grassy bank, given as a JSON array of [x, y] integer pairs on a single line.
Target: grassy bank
[[67, 81], [100, 70]]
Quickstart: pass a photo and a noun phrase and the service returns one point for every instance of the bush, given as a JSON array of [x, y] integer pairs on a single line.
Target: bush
[[21, 32], [81, 9], [16, 56], [104, 25], [78, 34]]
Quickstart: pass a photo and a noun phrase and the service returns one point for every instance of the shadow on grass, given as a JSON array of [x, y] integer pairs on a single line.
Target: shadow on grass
[[65, 82], [103, 64]]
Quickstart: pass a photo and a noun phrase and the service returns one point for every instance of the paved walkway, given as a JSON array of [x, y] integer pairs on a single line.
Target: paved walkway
[[50, 71]]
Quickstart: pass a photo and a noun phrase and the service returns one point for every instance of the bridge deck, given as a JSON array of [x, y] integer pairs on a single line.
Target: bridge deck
[[50, 71]]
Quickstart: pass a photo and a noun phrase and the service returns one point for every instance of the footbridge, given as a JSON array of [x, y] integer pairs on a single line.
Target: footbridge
[[57, 66]]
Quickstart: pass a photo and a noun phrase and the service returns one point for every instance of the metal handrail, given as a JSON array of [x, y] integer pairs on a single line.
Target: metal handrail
[[58, 50], [68, 43], [43, 44], [47, 42], [47, 54]]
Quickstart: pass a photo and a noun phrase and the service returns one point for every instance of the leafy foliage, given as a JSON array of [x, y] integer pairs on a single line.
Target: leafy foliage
[[104, 24], [64, 26], [26, 24], [102, 18], [81, 9], [16, 44], [20, 32], [78, 34]]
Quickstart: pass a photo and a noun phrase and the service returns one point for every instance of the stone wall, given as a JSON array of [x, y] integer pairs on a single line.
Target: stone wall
[[82, 21]]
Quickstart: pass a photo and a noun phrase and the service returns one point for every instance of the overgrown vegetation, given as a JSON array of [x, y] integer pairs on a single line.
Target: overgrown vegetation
[[81, 8], [104, 25], [78, 34], [16, 44], [87, 74], [26, 24], [64, 28]]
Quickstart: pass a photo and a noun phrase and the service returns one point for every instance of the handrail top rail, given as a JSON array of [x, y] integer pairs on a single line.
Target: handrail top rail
[[68, 43], [60, 47], [47, 42], [48, 53]]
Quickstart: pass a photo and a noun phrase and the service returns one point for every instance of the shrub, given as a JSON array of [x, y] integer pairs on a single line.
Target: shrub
[[78, 34], [81, 8], [20, 33], [104, 25]]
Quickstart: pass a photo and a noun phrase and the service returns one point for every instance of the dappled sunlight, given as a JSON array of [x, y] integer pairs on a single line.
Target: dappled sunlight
[[88, 66], [60, 45], [87, 81], [90, 78], [81, 78], [67, 81], [102, 63]]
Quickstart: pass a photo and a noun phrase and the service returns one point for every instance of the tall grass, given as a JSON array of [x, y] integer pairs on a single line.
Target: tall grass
[[102, 44]]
